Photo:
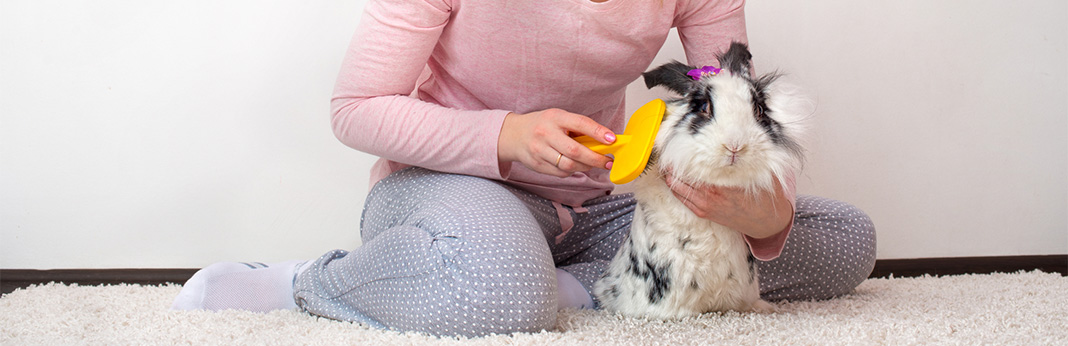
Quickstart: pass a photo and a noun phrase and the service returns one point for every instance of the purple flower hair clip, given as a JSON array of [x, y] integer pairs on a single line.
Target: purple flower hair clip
[[697, 73]]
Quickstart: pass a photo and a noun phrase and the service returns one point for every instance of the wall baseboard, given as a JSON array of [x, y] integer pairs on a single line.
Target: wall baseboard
[[969, 265], [12, 279]]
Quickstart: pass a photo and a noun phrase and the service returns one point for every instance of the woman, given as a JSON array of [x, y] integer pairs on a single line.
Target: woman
[[485, 216]]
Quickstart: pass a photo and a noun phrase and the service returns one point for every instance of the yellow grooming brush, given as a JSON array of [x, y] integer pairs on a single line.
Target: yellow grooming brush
[[632, 148]]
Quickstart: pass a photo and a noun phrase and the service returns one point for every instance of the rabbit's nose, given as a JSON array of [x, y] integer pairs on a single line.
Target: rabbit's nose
[[734, 148]]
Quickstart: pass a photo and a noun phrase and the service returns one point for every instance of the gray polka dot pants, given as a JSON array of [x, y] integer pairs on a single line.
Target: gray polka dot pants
[[451, 254], [830, 250]]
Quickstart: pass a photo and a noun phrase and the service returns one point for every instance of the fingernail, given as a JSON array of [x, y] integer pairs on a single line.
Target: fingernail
[[608, 165], [610, 137]]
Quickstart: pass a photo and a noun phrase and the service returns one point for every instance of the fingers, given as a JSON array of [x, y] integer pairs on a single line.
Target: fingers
[[562, 166], [566, 163], [549, 160], [700, 200], [551, 167], [576, 157], [556, 128], [689, 197], [542, 141], [582, 125]]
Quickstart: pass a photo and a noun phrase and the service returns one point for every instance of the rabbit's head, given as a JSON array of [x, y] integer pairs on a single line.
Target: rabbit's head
[[728, 128]]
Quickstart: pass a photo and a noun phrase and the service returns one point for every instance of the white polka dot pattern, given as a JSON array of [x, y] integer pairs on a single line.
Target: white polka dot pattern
[[442, 254]]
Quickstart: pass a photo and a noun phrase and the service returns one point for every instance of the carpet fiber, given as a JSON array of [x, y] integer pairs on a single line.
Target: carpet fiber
[[1024, 308]]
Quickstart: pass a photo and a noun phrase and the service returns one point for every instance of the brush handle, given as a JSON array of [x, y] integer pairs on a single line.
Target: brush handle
[[602, 148]]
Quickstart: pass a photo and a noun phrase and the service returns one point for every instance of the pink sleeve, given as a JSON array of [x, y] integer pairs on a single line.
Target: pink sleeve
[[708, 27], [771, 247], [372, 108]]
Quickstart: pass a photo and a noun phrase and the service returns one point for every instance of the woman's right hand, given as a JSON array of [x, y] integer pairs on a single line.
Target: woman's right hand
[[542, 141]]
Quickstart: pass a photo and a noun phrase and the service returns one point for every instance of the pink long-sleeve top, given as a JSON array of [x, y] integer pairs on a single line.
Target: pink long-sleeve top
[[428, 82]]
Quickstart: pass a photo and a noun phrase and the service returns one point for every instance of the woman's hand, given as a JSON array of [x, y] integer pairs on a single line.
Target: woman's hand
[[760, 216], [542, 142]]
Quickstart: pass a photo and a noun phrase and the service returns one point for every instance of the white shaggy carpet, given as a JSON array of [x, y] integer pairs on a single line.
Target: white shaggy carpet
[[1025, 308]]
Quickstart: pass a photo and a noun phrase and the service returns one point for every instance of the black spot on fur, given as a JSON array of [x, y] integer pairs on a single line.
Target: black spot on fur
[[683, 241], [762, 113], [697, 122], [701, 111], [661, 282], [694, 285], [655, 275], [613, 292], [634, 267], [693, 122]]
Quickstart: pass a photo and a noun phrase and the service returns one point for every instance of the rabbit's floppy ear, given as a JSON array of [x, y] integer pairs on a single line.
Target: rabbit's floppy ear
[[672, 76], [737, 59]]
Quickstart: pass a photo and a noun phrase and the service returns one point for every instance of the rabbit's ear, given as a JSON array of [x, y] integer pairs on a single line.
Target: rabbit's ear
[[737, 59], [672, 76]]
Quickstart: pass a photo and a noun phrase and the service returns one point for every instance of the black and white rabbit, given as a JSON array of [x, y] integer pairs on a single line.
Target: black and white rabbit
[[727, 129]]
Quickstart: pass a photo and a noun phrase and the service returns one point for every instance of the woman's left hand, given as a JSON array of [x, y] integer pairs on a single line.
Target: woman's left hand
[[760, 216]]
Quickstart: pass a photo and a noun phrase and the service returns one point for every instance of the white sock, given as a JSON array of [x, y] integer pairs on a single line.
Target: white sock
[[570, 292], [243, 286]]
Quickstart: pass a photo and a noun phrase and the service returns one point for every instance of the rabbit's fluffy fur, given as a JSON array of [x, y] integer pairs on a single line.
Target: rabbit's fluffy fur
[[728, 129]]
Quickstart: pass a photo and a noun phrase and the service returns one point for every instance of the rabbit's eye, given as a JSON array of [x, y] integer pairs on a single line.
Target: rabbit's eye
[[705, 107], [701, 107]]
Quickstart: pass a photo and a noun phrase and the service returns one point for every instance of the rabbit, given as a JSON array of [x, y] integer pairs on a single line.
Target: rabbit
[[727, 129]]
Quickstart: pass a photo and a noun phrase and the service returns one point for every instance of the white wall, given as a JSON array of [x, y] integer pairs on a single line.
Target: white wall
[[946, 120], [176, 134]]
